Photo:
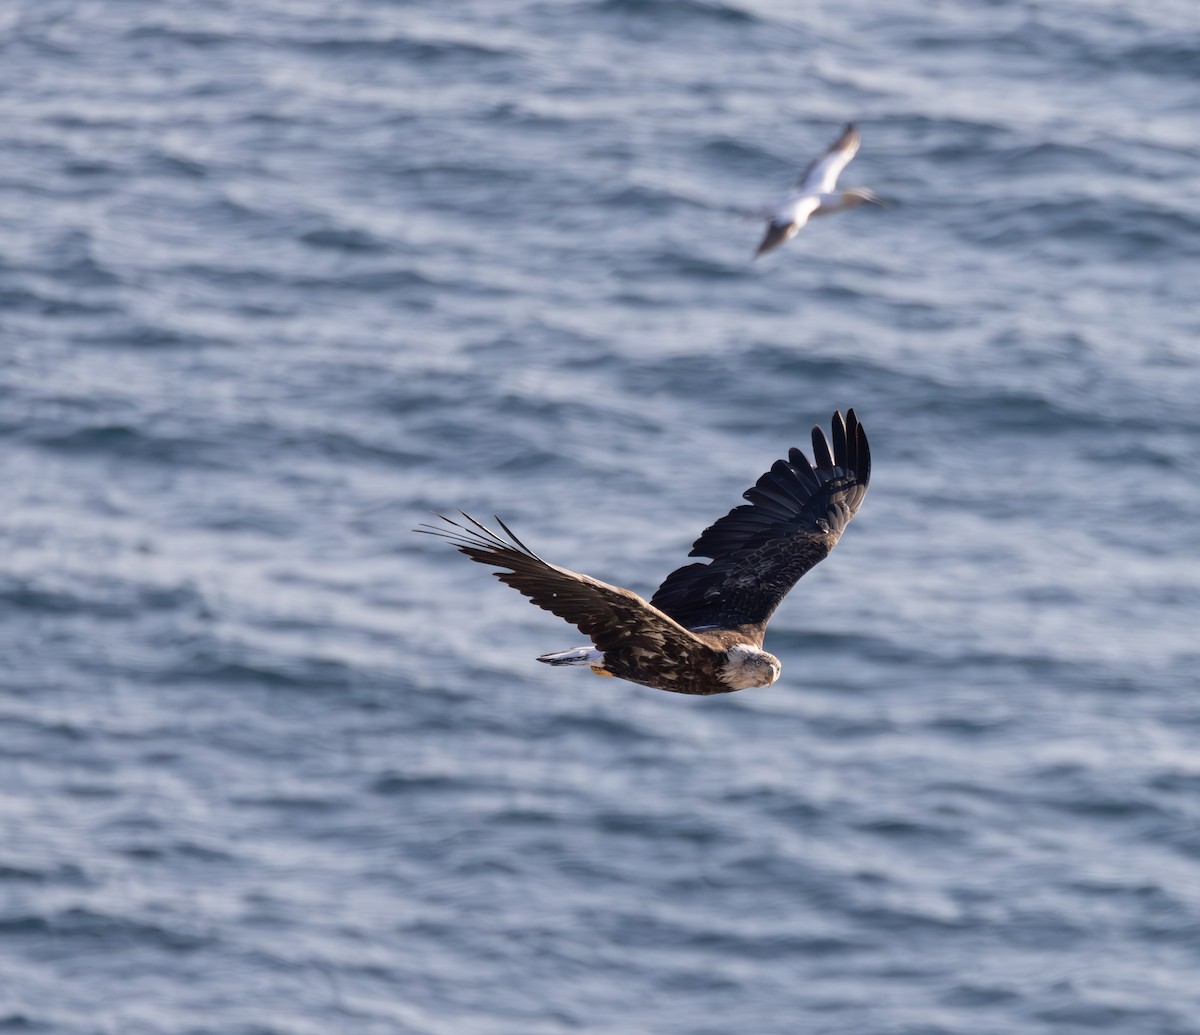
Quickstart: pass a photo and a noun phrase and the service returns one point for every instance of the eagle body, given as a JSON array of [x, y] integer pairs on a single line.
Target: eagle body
[[702, 631], [689, 668]]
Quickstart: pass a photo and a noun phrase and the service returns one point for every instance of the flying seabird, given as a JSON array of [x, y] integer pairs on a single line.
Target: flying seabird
[[702, 631], [815, 194]]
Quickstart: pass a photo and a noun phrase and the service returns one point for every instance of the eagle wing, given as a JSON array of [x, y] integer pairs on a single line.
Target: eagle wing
[[796, 514], [629, 630], [821, 176]]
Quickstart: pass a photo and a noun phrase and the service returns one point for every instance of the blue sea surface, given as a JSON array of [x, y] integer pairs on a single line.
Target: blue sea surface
[[279, 277]]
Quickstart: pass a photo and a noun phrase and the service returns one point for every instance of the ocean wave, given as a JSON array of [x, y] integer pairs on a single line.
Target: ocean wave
[[672, 12]]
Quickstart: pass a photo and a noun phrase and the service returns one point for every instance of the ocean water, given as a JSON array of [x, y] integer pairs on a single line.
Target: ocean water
[[279, 277]]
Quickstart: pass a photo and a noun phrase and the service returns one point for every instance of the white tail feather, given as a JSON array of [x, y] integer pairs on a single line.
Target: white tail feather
[[577, 656]]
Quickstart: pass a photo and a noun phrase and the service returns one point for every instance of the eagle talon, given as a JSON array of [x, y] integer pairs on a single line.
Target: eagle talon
[[600, 671]]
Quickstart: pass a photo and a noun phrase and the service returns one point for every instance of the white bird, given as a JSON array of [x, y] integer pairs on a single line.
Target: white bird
[[815, 193]]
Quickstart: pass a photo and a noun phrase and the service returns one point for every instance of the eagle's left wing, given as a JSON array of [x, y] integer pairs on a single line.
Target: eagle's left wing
[[618, 621], [796, 514]]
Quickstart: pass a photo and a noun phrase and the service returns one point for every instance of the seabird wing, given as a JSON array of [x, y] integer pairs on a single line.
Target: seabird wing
[[618, 621], [822, 175], [788, 221], [796, 514], [777, 234]]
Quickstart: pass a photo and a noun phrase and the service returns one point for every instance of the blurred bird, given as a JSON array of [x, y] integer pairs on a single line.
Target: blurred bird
[[702, 631], [815, 194]]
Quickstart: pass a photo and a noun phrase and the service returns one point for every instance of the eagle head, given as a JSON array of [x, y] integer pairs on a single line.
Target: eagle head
[[746, 666]]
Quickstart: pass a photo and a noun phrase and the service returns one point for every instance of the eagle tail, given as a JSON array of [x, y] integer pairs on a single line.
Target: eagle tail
[[578, 656]]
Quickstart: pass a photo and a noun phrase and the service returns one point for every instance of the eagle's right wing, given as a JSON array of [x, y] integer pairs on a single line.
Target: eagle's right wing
[[618, 621], [796, 514]]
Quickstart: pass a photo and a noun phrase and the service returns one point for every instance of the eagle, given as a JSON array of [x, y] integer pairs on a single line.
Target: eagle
[[702, 630]]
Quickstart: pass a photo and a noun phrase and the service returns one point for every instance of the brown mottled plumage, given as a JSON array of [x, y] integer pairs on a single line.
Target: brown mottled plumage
[[702, 631]]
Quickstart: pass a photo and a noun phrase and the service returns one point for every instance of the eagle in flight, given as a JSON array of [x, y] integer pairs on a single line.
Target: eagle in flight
[[702, 631]]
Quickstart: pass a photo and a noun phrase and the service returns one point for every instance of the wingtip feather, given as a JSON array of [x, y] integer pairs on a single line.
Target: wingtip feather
[[822, 458]]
